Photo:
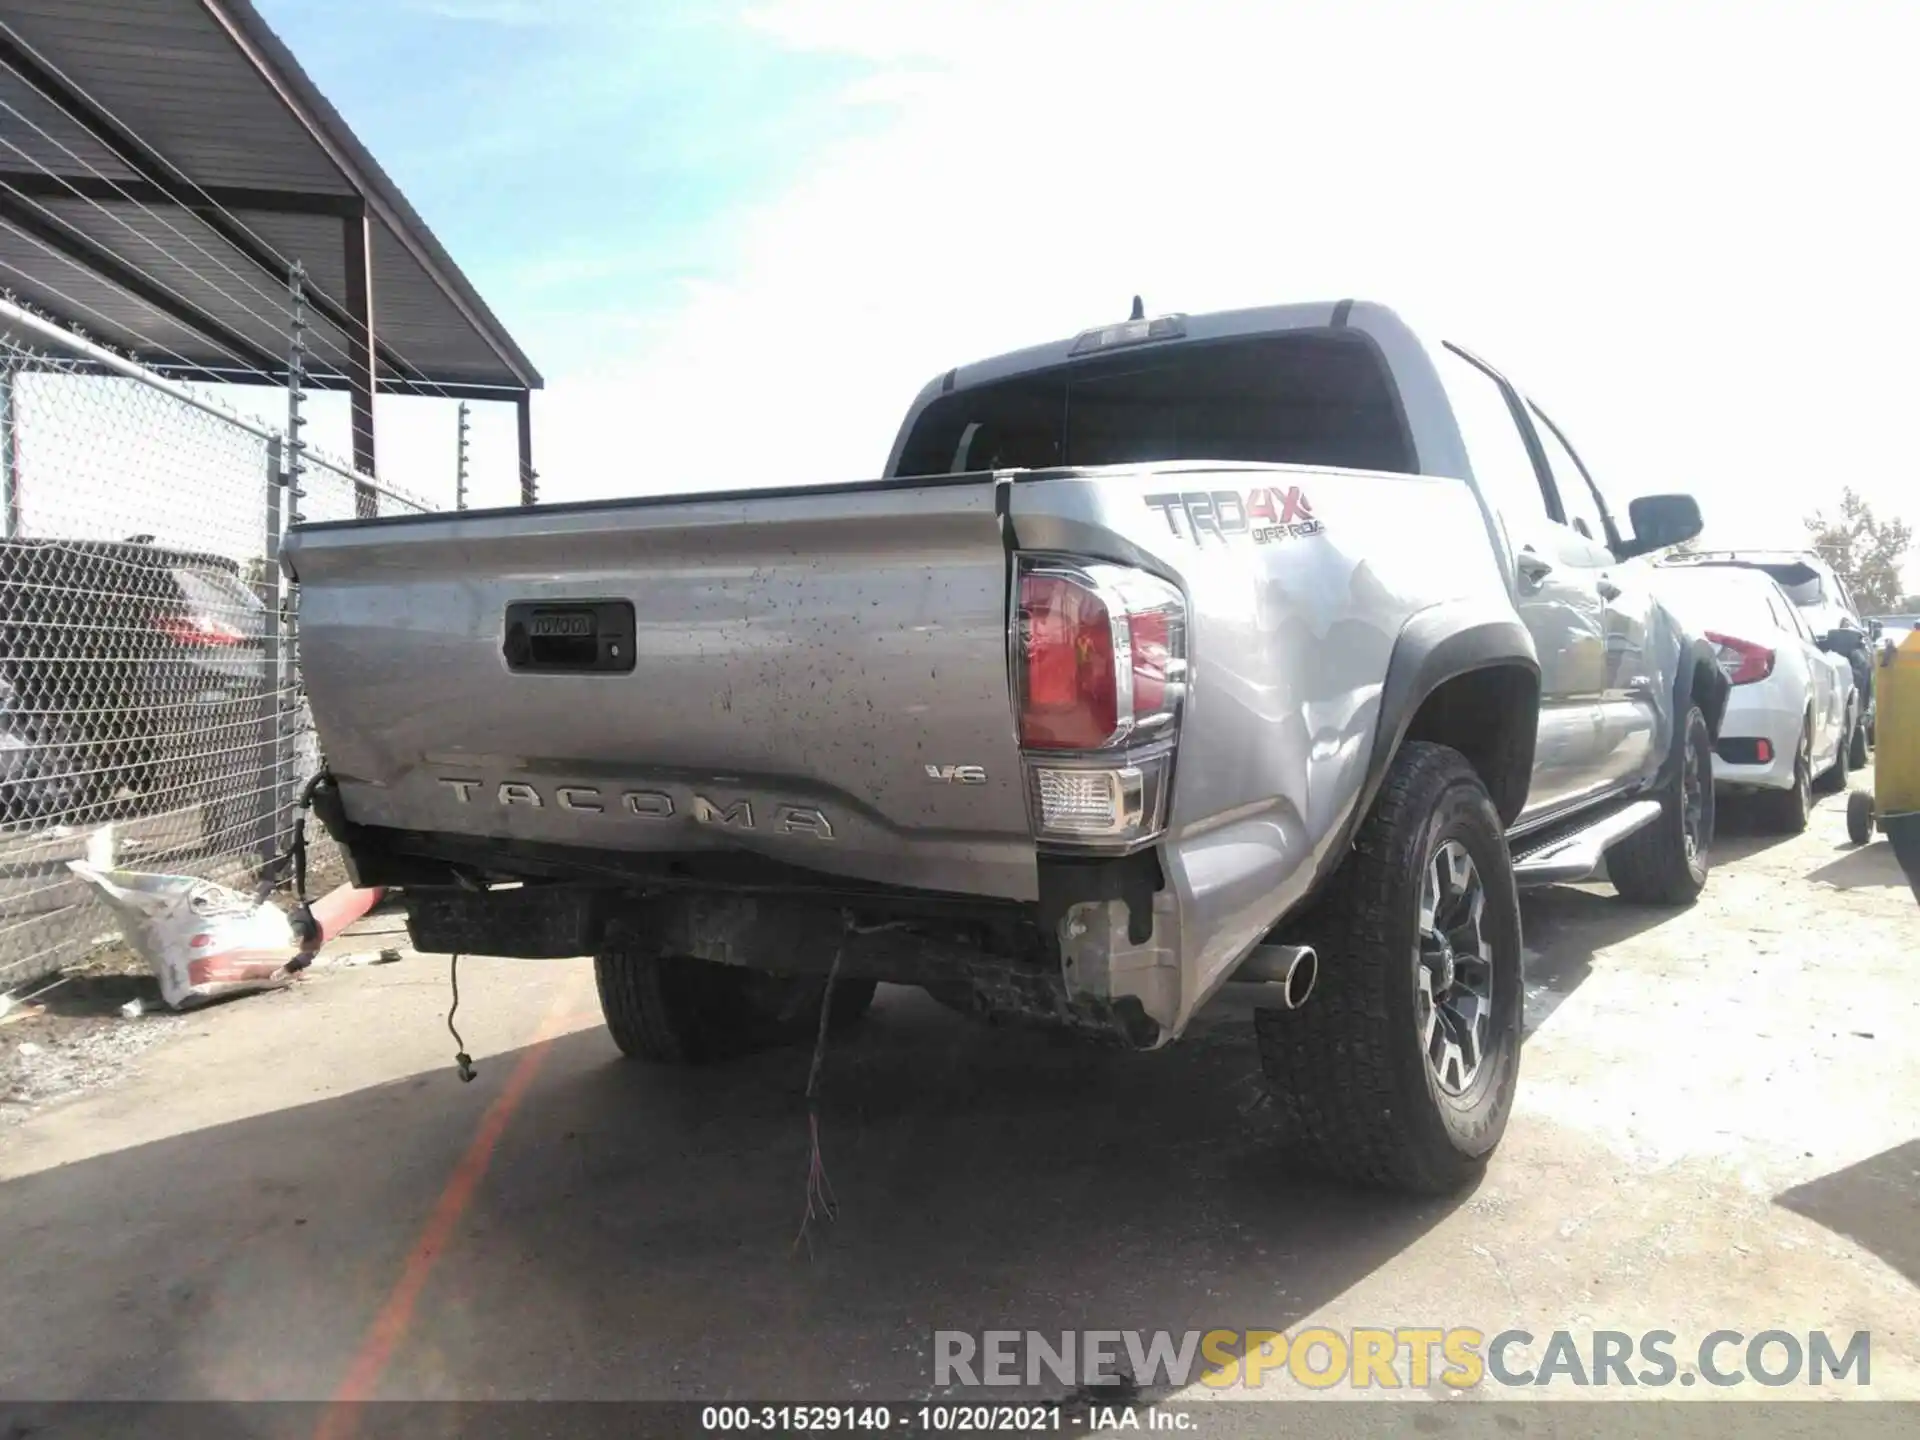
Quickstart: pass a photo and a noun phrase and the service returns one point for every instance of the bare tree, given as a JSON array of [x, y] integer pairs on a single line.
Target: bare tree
[[1865, 551]]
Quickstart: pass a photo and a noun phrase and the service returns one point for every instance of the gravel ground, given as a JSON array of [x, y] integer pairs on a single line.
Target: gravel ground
[[73, 1037]]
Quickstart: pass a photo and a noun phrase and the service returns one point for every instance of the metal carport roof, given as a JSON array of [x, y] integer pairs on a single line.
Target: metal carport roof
[[161, 164]]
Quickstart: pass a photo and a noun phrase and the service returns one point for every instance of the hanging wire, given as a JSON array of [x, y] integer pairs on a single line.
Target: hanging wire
[[821, 1203], [462, 1062]]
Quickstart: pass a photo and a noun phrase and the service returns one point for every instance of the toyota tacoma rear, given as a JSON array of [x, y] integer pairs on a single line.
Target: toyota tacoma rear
[[1273, 646]]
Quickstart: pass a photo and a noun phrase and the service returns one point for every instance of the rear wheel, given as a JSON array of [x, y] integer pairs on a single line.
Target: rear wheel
[[1785, 811], [675, 1010], [1400, 1071], [1665, 862], [1857, 744]]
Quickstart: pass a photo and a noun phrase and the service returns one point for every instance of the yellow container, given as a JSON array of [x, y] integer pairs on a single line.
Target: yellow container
[[1896, 760]]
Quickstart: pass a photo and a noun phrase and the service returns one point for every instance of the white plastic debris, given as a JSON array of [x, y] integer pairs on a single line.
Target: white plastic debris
[[101, 848], [203, 941]]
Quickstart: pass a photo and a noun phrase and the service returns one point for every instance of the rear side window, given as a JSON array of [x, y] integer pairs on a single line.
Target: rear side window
[[1577, 500], [1801, 582], [1497, 451], [1796, 618], [1313, 398]]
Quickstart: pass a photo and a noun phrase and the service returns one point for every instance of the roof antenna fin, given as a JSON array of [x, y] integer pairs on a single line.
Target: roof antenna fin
[[1139, 309]]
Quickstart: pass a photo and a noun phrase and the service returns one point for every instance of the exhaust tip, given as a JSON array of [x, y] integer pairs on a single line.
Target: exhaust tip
[[1300, 977], [1289, 969]]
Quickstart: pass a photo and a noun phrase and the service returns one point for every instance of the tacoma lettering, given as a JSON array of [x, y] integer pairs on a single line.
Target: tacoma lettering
[[788, 819]]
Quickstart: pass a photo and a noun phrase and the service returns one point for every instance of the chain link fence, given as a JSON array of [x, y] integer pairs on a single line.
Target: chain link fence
[[150, 706]]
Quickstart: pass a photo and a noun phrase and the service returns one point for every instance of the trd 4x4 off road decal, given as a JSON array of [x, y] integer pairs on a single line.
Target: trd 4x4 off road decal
[[1267, 514]]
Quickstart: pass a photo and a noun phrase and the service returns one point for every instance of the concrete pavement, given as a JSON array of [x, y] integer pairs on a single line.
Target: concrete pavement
[[294, 1197]]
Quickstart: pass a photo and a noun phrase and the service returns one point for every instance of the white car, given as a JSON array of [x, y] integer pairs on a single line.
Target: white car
[[1828, 607], [1786, 728]]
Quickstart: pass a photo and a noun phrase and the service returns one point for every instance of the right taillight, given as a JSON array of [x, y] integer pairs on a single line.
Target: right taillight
[[1070, 698], [1102, 669], [1741, 661]]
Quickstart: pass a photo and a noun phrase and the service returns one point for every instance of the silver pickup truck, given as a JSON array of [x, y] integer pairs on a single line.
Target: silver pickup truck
[[1272, 646]]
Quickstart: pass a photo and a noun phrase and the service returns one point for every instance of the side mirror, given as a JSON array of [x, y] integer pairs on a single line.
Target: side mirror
[[1843, 641], [1660, 521]]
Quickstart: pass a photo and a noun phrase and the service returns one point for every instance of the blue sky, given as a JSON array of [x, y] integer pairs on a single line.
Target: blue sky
[[737, 236], [575, 156]]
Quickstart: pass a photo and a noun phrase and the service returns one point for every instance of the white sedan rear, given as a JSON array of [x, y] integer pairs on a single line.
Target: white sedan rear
[[1788, 713]]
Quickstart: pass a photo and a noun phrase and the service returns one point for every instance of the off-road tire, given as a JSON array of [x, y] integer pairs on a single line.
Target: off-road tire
[[1785, 812], [1348, 1070], [674, 1010], [1653, 865]]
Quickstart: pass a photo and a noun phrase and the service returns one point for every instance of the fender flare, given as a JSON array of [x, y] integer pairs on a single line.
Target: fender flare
[[1438, 644], [1696, 654]]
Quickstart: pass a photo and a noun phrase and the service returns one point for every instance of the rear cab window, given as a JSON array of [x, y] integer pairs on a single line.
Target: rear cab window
[[1311, 397]]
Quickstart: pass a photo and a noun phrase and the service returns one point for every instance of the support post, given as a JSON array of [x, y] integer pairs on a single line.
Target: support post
[[460, 464], [296, 387], [361, 369], [275, 733], [9, 448], [529, 480]]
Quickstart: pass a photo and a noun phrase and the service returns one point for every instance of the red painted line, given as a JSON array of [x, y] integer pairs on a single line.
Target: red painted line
[[390, 1326]]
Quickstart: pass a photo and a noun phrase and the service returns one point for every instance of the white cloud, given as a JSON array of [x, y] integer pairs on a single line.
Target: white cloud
[[1683, 226]]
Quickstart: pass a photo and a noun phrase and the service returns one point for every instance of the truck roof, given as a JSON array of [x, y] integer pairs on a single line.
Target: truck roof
[[1217, 325], [1437, 447]]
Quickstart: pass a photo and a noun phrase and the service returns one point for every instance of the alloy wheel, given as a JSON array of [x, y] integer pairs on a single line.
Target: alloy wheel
[[1453, 1004], [1694, 791]]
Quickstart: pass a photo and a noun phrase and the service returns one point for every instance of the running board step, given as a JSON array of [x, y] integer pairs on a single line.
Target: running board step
[[1577, 856]]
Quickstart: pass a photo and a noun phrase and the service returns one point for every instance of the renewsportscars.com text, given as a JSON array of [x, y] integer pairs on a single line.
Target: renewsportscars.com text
[[1405, 1357]]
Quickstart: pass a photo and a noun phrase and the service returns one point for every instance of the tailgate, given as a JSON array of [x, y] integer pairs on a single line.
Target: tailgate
[[818, 676]]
